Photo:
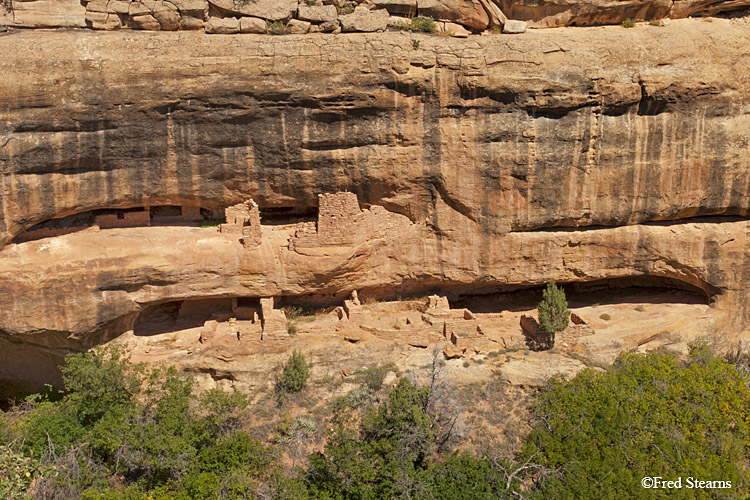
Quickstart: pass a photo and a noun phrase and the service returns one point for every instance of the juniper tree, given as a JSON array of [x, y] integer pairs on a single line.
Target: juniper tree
[[295, 374], [553, 309]]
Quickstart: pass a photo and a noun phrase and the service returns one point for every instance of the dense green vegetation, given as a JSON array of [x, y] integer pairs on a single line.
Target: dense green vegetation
[[649, 415], [121, 432]]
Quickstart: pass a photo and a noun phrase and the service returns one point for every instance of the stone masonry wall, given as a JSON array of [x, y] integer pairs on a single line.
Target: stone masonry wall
[[337, 213], [243, 219], [126, 219]]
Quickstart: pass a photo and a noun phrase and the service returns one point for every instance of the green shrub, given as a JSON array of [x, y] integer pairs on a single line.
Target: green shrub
[[17, 471], [466, 476], [640, 308], [100, 382], [345, 9], [390, 447], [101, 386], [160, 443], [234, 452], [605, 317], [417, 24], [276, 28], [627, 23], [647, 415], [423, 24], [553, 309], [211, 221], [295, 374], [292, 312], [654, 22]]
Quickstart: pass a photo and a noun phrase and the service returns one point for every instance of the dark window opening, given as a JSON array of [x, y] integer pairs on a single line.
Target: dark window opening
[[277, 216], [166, 211]]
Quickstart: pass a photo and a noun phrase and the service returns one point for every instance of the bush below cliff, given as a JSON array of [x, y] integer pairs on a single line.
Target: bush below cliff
[[121, 433]]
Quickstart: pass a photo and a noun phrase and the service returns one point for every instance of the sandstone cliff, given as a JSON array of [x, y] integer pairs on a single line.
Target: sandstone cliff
[[245, 16], [576, 155]]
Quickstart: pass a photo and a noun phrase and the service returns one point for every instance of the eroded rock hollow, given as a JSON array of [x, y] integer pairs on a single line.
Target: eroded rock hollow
[[473, 165]]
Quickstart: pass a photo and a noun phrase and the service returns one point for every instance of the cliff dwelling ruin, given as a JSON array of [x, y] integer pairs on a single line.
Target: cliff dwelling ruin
[[206, 210]]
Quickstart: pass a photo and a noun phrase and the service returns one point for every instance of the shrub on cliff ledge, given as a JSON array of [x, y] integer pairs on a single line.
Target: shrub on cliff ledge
[[276, 28], [553, 309], [417, 24], [295, 374]]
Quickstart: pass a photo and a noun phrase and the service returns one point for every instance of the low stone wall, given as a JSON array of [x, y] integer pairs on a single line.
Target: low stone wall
[[125, 219]]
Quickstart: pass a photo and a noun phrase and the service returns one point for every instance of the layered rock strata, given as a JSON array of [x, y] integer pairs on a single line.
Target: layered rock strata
[[291, 16], [476, 164]]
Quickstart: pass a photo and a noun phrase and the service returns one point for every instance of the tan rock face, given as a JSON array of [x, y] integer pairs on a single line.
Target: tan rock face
[[272, 10], [45, 14], [481, 163], [470, 13]]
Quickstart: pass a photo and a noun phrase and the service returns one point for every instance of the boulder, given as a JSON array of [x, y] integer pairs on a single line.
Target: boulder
[[192, 8], [271, 10], [118, 7], [365, 21], [398, 21], [402, 7], [534, 369], [317, 13], [102, 21], [513, 26], [497, 18], [576, 319], [469, 13], [453, 352], [139, 9], [167, 15], [389, 379], [144, 22], [455, 30], [252, 25], [329, 27], [297, 27], [191, 23], [222, 26], [536, 338], [98, 6]]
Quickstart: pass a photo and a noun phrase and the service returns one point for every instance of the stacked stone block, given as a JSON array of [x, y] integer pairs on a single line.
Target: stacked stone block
[[274, 320], [290, 16], [243, 219], [154, 15], [338, 213]]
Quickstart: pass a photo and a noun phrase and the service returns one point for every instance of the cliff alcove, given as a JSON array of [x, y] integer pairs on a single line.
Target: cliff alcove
[[472, 166]]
